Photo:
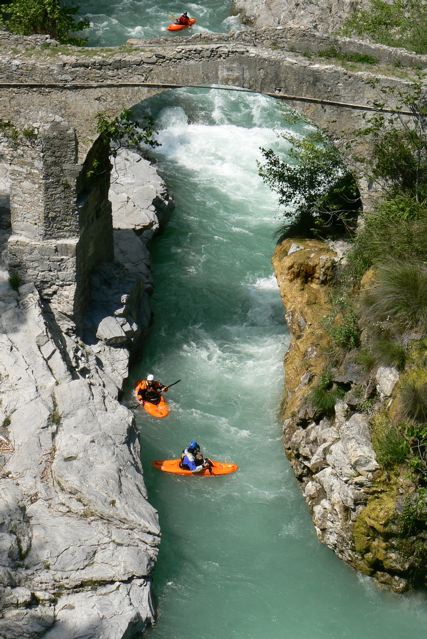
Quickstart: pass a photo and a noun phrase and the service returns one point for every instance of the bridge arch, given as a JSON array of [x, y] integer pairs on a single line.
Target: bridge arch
[[59, 96]]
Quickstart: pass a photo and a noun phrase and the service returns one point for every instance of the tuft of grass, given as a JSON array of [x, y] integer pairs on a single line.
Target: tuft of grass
[[413, 517], [389, 352], [398, 299], [362, 58], [366, 359], [325, 395], [56, 417], [345, 333], [389, 442], [413, 401], [401, 23], [342, 324], [29, 133], [6, 422], [397, 229]]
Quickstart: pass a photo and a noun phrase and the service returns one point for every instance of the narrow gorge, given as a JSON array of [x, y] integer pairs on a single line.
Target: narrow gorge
[[86, 310]]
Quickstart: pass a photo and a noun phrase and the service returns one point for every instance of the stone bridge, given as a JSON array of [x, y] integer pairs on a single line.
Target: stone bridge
[[50, 96]]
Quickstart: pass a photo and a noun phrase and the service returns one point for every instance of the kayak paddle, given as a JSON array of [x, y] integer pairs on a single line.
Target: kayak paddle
[[170, 385]]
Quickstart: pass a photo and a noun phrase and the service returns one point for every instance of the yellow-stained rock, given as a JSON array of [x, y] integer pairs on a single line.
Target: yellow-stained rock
[[304, 277]]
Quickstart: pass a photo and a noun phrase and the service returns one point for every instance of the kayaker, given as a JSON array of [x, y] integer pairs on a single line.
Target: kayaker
[[184, 19], [150, 389], [192, 458]]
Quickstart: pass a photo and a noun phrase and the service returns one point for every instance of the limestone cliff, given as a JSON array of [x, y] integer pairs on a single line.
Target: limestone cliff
[[78, 538], [325, 16], [328, 412]]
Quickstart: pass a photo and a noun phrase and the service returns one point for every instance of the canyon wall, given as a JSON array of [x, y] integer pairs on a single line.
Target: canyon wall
[[78, 536], [355, 504], [326, 16]]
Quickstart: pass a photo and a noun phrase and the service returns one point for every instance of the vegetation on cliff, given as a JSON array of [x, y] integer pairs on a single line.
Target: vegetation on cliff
[[318, 191], [376, 330], [125, 132], [385, 280], [51, 17], [399, 23]]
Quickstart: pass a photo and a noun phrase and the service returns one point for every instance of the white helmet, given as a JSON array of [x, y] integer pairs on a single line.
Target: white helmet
[[150, 377]]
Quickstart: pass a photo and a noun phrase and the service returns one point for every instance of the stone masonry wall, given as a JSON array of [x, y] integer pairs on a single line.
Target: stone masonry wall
[[84, 82], [61, 216]]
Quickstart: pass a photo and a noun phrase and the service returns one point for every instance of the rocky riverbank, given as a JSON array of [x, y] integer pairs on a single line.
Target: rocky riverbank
[[358, 509], [78, 536], [325, 17]]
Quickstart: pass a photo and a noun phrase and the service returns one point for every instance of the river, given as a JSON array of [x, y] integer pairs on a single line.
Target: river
[[239, 555], [114, 21]]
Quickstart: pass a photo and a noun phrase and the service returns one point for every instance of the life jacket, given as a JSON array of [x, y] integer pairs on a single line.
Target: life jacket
[[186, 455], [183, 20], [146, 392]]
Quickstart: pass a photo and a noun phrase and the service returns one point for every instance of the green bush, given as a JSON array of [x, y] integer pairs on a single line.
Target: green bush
[[398, 298], [401, 23], [397, 228], [400, 161], [51, 17], [325, 395], [319, 192], [124, 131]]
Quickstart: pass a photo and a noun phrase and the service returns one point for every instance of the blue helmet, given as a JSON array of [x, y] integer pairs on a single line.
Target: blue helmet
[[193, 445]]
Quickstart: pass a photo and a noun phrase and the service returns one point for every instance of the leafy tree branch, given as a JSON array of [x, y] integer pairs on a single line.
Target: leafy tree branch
[[50, 17], [315, 188]]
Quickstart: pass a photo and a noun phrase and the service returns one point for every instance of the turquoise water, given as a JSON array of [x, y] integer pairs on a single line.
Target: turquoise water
[[115, 21], [239, 555]]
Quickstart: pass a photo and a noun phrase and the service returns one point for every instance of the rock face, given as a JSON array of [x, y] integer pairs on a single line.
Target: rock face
[[78, 538], [354, 507], [143, 206], [120, 314], [77, 530], [325, 16]]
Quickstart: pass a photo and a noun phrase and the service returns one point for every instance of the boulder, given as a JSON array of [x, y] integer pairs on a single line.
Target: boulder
[[356, 442], [386, 378], [111, 332]]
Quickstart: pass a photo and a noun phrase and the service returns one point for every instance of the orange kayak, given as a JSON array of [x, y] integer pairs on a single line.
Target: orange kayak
[[160, 410], [181, 27], [172, 466]]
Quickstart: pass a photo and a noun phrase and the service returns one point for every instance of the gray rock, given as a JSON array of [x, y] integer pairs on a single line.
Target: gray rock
[[294, 249], [138, 195], [76, 527], [111, 332], [386, 378], [356, 441]]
